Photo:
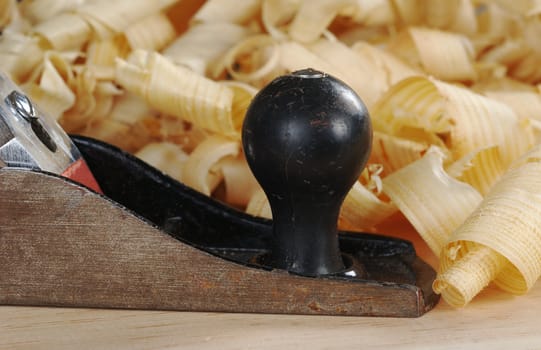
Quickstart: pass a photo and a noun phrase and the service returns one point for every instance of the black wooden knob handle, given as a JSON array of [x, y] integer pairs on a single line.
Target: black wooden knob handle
[[307, 137]]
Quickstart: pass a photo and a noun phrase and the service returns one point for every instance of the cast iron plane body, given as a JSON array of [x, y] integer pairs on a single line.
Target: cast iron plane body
[[153, 243]]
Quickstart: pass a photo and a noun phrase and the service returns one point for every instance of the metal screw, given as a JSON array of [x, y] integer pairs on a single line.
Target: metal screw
[[21, 105]]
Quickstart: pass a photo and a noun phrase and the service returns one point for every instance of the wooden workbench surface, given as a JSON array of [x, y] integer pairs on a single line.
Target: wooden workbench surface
[[494, 320]]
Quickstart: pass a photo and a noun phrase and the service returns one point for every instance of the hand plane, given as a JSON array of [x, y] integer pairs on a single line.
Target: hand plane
[[150, 242]]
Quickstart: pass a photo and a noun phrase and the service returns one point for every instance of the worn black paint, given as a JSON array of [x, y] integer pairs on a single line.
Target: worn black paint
[[216, 228], [307, 137]]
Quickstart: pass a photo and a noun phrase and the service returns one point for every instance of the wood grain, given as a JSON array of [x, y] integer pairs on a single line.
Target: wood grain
[[493, 321], [67, 246]]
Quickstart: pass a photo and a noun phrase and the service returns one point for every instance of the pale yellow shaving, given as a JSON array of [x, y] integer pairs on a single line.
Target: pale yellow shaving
[[481, 122], [469, 274], [363, 209], [314, 16], [465, 19], [129, 109], [242, 96], [166, 156], [199, 173], [277, 14], [202, 48], [409, 11], [103, 53], [532, 31], [395, 69], [525, 104], [440, 13], [255, 60], [84, 85], [495, 23], [115, 133], [426, 109], [224, 11], [259, 205], [151, 33], [453, 15], [445, 55], [481, 169], [8, 9], [294, 56], [111, 17], [499, 241], [235, 170], [65, 31], [509, 52], [394, 152], [354, 67], [413, 103], [373, 12], [52, 91], [522, 7], [419, 189], [40, 11], [526, 70], [178, 91], [19, 55]]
